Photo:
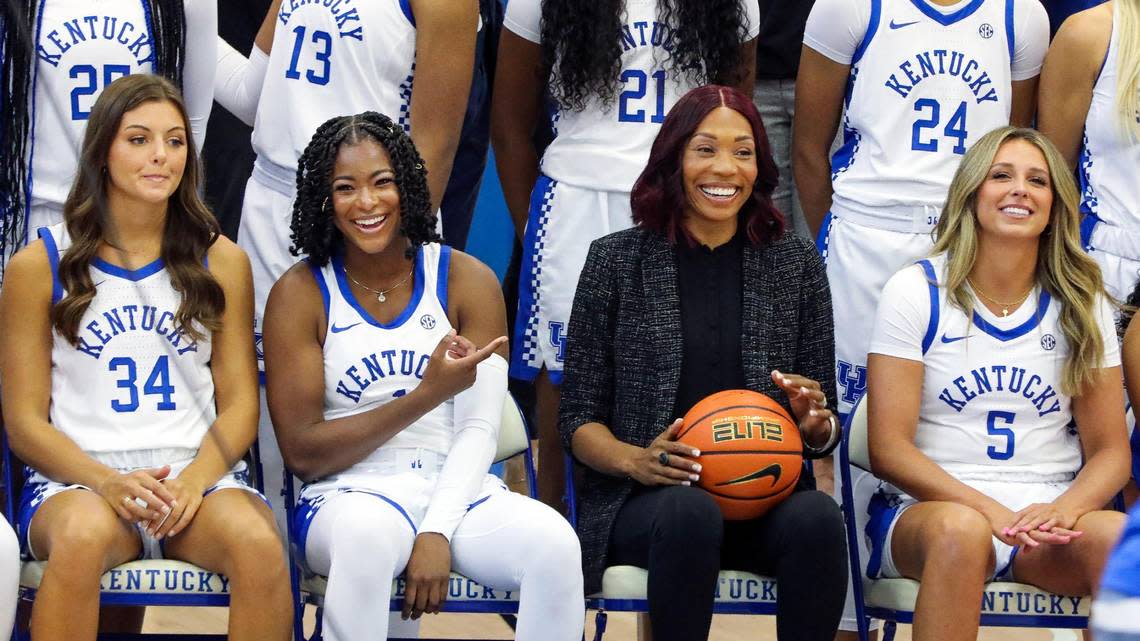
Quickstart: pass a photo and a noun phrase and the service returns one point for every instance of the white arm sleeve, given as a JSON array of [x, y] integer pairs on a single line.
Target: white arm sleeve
[[478, 412], [1030, 38], [200, 62], [237, 86], [835, 28], [524, 19], [903, 315]]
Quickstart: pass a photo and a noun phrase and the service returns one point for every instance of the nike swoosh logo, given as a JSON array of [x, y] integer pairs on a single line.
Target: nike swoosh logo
[[772, 470], [953, 339], [900, 25], [337, 330]]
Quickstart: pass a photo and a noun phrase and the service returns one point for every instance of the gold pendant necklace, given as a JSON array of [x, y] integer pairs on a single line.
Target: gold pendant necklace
[[380, 293], [1004, 306]]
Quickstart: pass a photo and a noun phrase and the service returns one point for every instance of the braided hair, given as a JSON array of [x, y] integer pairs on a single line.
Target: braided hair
[[313, 230], [582, 45], [18, 33]]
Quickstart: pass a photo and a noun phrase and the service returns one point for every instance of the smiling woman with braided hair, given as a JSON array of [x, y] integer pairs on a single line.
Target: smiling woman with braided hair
[[55, 60], [385, 407]]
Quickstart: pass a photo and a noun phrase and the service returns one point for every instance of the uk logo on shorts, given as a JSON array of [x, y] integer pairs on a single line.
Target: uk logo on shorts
[[558, 339], [427, 321]]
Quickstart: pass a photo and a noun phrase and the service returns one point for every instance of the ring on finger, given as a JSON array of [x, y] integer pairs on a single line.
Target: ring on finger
[[663, 458]]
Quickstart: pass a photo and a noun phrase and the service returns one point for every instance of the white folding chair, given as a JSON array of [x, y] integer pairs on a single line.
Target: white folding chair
[[464, 594], [1004, 603]]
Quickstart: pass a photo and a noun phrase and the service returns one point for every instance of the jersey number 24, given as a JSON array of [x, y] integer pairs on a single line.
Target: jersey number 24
[[921, 139]]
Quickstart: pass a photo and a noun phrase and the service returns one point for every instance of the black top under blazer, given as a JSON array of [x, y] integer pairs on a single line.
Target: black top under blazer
[[623, 359]]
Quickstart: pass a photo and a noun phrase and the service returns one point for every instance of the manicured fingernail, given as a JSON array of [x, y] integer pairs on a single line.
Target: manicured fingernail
[[813, 413], [696, 467], [166, 509], [803, 390], [694, 477], [696, 452], [686, 483], [1005, 531]]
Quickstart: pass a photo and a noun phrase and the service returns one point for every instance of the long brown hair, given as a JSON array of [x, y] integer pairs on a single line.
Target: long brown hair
[[190, 226]]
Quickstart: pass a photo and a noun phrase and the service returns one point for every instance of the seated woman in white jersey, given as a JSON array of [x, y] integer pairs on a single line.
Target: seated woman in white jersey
[[1089, 106], [982, 358], [58, 56], [384, 406], [613, 68], [130, 387]]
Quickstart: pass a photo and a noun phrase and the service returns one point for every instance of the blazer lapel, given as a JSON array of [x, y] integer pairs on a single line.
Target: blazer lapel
[[664, 314]]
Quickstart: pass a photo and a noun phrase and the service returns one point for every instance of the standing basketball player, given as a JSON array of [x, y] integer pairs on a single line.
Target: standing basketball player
[[1090, 107], [129, 381], [614, 69], [58, 55], [983, 357], [384, 406]]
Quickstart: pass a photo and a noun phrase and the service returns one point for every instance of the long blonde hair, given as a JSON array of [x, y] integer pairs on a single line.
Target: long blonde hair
[[1126, 23], [1063, 268]]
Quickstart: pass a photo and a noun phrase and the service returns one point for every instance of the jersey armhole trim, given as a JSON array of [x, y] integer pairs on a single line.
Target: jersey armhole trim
[[1107, 50], [53, 260], [441, 276], [1009, 37], [321, 285], [932, 286], [406, 8], [872, 27]]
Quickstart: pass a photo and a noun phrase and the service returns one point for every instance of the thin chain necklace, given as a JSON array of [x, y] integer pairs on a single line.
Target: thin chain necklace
[[380, 293], [1004, 306]]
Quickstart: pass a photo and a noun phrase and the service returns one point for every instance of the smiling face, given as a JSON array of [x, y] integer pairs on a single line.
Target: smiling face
[[1016, 198], [148, 154], [719, 171], [364, 197]]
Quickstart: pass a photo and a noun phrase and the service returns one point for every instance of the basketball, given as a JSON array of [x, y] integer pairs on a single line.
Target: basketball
[[751, 451]]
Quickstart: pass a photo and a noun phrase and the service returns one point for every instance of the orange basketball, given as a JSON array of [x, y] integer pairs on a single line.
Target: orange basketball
[[751, 451]]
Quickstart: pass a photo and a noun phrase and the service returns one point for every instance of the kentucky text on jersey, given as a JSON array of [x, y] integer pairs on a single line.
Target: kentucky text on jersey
[[378, 365], [57, 41], [941, 62], [347, 18], [1001, 378], [133, 318], [643, 33]]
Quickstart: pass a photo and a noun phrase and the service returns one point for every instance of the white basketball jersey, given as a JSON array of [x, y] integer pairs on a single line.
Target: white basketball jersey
[[924, 86], [332, 58], [605, 146], [81, 47], [992, 405], [135, 381], [368, 363], [1110, 159]]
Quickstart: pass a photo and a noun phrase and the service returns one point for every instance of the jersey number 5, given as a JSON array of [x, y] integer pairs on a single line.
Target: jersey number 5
[[157, 384], [1006, 452]]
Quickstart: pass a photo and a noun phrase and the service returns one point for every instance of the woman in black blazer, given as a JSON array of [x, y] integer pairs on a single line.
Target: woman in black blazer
[[706, 293]]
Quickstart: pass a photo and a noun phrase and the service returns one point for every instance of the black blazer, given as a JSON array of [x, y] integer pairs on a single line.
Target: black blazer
[[623, 362]]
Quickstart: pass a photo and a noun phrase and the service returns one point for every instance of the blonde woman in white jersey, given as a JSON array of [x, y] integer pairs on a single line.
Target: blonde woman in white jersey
[[386, 408], [982, 357], [129, 383], [57, 56], [614, 69], [1090, 108]]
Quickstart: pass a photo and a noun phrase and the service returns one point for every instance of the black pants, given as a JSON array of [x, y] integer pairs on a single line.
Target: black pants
[[677, 533]]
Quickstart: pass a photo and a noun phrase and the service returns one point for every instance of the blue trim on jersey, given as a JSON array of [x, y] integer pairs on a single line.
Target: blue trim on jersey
[[478, 503], [406, 7], [824, 236], [53, 260], [872, 28], [947, 19], [413, 303], [1135, 442], [136, 275], [524, 341], [1088, 222], [441, 276], [880, 516], [306, 511], [932, 324], [321, 285], [1009, 28], [1004, 335]]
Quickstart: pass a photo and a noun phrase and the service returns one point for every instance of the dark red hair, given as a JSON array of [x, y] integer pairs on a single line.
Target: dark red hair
[[658, 197]]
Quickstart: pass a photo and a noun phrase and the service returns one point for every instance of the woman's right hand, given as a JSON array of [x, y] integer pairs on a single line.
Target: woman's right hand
[[1003, 523], [138, 496], [665, 461], [451, 368]]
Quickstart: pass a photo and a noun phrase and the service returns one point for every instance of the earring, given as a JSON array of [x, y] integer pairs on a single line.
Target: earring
[[325, 203]]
